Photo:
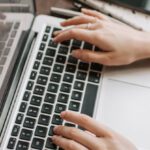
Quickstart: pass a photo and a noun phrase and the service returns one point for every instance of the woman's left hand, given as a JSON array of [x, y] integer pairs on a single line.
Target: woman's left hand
[[96, 136]]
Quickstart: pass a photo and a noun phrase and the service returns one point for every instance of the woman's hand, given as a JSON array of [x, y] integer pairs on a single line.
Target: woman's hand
[[120, 43], [96, 136]]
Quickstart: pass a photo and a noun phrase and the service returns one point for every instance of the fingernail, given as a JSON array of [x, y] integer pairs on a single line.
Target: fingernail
[[54, 137], [54, 40], [55, 128], [62, 114], [75, 53]]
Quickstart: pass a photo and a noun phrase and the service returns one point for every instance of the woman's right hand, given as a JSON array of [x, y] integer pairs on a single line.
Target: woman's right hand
[[120, 43]]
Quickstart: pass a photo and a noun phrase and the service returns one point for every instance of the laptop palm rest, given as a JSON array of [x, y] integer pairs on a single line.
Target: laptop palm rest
[[125, 102]]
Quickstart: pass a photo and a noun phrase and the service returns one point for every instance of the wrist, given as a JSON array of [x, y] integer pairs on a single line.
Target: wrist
[[143, 45]]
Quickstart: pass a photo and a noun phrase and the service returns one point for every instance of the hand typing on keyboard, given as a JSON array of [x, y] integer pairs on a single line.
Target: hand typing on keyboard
[[95, 137], [119, 44]]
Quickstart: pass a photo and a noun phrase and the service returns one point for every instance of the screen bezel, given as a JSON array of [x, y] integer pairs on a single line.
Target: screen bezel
[[133, 8]]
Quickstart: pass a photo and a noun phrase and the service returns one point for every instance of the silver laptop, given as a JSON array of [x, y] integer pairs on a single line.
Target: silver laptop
[[46, 80]]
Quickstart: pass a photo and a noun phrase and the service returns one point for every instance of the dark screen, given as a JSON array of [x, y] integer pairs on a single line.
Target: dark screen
[[140, 4]]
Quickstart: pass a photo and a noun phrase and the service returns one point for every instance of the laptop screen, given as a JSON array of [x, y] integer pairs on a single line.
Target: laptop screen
[[8, 33], [139, 4]]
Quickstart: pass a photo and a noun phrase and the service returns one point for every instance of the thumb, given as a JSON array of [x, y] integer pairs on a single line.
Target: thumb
[[92, 56]]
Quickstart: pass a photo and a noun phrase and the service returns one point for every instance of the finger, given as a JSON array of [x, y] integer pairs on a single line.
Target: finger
[[79, 20], [91, 56], [87, 123], [93, 13], [77, 135], [67, 144], [75, 33], [90, 26]]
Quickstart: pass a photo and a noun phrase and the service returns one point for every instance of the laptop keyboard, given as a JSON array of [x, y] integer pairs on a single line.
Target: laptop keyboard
[[7, 35], [57, 82]]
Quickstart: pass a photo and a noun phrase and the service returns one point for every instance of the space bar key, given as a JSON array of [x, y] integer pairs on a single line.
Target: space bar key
[[89, 99]]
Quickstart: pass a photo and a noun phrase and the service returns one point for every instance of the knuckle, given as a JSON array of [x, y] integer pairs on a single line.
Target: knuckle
[[72, 132]]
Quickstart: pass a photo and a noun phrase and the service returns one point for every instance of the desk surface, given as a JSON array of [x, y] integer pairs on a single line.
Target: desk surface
[[43, 6]]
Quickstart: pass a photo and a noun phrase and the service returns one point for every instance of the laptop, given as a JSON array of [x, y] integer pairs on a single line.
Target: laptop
[[44, 80]]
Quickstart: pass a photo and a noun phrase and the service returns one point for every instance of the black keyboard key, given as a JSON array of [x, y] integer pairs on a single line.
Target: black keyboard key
[[36, 65], [57, 120], [42, 46], [33, 75], [29, 122], [23, 107], [51, 133], [94, 77], [76, 43], [37, 143], [67, 42], [55, 77], [74, 106], [68, 124], [88, 46], [48, 61], [63, 98], [26, 95], [45, 38], [50, 98], [41, 131], [15, 130], [79, 85], [36, 100], [83, 66], [59, 108], [45, 70], [50, 52], [21, 145], [63, 50], [11, 143], [42, 80], [89, 99], [39, 56], [74, 48], [16, 26], [55, 29], [70, 68], [32, 111], [68, 78], [72, 60], [50, 145], [96, 49], [47, 108], [61, 59], [76, 95], [81, 75], [96, 67], [52, 87], [52, 44], [19, 118], [58, 68], [44, 120], [26, 134], [30, 85], [39, 90], [65, 88], [48, 29]]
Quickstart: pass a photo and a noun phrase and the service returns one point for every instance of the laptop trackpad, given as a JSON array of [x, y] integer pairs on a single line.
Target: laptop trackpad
[[126, 108]]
